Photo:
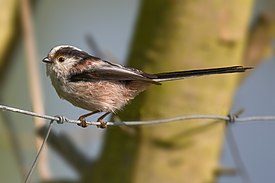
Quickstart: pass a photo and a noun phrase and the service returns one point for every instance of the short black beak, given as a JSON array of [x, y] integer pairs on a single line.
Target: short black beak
[[46, 60]]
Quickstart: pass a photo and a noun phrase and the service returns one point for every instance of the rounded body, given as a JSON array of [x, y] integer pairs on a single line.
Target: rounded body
[[104, 95]]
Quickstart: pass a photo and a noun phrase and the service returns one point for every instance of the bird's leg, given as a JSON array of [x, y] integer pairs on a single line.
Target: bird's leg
[[103, 124], [83, 122]]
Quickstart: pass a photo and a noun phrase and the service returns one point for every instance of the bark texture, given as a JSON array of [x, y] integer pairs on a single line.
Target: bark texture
[[177, 35]]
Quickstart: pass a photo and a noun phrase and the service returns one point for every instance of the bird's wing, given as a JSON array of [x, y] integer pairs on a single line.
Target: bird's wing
[[93, 70]]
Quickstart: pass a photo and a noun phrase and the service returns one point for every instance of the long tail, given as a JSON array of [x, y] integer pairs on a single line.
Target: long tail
[[201, 72]]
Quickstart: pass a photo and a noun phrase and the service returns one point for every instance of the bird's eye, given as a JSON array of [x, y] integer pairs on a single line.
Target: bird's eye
[[61, 59]]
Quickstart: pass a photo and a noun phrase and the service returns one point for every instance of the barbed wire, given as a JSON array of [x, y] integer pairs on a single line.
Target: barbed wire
[[232, 118], [62, 119]]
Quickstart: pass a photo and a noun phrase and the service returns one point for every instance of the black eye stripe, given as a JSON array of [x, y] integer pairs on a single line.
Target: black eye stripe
[[71, 52]]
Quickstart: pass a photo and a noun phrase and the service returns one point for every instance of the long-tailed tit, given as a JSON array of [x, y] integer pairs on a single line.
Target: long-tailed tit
[[97, 85]]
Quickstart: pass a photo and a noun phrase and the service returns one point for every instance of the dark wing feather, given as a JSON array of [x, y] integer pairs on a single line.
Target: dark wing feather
[[103, 70]]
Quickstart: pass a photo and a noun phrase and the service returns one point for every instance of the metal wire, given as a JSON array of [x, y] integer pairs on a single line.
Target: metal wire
[[63, 119], [230, 119], [39, 152]]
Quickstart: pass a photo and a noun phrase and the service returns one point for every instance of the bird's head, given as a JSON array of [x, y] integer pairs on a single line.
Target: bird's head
[[62, 58]]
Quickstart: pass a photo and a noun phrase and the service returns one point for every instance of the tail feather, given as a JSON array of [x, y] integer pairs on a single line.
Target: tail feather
[[201, 72]]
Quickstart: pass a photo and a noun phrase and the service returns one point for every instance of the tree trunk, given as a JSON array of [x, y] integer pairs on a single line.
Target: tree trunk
[[177, 35]]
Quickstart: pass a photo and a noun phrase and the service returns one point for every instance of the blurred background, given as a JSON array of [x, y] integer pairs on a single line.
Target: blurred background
[[154, 36]]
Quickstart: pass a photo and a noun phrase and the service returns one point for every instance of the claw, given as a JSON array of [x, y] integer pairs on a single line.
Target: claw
[[103, 124], [83, 122]]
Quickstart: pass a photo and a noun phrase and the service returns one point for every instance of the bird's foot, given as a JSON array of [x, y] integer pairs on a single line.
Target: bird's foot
[[103, 124], [83, 122]]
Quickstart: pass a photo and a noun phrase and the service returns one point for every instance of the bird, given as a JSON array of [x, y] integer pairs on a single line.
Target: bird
[[97, 85]]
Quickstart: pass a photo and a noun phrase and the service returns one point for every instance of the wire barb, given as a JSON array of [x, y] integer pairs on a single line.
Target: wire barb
[[61, 119], [232, 117]]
